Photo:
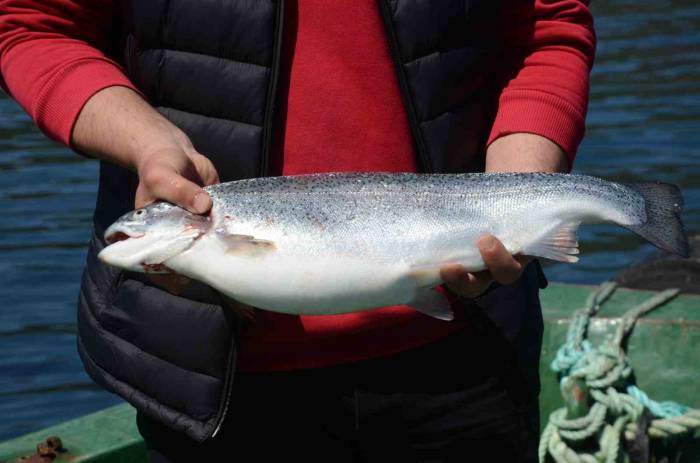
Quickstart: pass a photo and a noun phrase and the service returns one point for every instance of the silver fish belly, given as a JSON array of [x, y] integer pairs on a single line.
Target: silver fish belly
[[335, 243]]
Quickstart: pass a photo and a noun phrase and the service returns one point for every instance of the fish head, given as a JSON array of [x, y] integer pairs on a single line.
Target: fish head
[[144, 239]]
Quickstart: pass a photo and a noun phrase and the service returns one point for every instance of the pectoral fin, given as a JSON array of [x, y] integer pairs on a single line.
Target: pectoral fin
[[431, 302], [246, 245]]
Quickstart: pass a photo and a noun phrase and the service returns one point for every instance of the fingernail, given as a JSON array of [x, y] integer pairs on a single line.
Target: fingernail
[[201, 202], [488, 243]]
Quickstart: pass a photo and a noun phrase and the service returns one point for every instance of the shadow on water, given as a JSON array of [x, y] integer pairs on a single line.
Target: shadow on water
[[642, 125]]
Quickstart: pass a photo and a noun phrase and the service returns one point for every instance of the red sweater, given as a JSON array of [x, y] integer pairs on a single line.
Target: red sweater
[[344, 113]]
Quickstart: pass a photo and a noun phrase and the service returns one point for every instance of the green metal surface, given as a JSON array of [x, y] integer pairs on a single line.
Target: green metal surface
[[664, 350], [108, 436]]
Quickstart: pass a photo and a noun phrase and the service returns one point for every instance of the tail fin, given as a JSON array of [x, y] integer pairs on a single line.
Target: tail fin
[[663, 227]]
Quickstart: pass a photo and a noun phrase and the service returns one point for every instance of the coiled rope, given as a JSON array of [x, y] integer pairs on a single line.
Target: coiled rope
[[603, 407]]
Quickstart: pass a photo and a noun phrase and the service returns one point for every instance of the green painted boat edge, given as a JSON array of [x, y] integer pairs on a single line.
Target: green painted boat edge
[[107, 436], [559, 300], [111, 436]]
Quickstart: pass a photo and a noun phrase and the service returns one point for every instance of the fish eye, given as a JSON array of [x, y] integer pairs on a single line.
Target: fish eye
[[139, 212]]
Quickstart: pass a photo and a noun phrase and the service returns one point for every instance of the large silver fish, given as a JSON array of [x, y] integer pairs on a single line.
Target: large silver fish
[[335, 243]]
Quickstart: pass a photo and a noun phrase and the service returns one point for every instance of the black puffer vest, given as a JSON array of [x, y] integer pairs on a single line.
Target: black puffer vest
[[213, 69]]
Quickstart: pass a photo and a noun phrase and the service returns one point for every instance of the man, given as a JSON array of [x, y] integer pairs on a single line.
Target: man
[[244, 89]]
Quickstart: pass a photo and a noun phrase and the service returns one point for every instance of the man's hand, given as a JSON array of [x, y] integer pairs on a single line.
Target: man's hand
[[118, 126], [502, 268], [175, 173]]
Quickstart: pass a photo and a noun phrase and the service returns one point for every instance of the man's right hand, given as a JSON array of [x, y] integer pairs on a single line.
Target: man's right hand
[[175, 174], [119, 126]]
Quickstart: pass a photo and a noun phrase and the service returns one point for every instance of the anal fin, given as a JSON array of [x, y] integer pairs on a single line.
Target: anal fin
[[560, 244], [431, 302]]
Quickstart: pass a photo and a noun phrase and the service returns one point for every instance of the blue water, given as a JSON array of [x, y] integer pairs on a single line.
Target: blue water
[[643, 124]]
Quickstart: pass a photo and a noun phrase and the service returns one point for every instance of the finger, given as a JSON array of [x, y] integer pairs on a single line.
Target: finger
[[503, 267], [205, 168], [463, 283], [168, 185], [143, 197]]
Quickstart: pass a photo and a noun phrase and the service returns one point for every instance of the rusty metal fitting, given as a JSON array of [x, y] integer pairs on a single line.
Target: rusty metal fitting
[[44, 451], [54, 442]]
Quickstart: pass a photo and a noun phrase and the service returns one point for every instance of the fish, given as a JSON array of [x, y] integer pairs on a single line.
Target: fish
[[346, 242]]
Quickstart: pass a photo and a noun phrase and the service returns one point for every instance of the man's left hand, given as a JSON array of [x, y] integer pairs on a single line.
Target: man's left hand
[[501, 267]]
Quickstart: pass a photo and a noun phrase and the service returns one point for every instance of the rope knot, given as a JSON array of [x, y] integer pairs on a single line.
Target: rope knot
[[590, 378]]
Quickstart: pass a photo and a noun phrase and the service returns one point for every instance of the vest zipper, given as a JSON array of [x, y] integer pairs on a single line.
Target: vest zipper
[[424, 164], [228, 385], [272, 97], [268, 128]]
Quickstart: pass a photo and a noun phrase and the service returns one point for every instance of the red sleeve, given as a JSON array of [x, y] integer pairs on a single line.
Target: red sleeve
[[51, 58], [550, 46]]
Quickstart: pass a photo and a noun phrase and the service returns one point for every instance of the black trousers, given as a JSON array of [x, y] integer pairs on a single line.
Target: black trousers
[[463, 398]]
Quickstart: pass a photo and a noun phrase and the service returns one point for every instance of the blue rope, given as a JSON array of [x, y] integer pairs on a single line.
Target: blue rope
[[569, 356], [661, 409]]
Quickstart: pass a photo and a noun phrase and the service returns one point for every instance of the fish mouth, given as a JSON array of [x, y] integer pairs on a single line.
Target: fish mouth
[[139, 250], [128, 250], [119, 236], [115, 234]]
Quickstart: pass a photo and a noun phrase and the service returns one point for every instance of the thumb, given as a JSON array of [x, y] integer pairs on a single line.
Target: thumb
[[166, 184]]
